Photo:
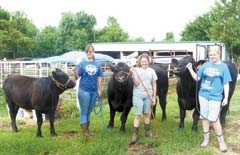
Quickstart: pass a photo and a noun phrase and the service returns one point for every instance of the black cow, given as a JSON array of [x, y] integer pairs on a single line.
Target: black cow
[[187, 90], [162, 88], [41, 94], [120, 89]]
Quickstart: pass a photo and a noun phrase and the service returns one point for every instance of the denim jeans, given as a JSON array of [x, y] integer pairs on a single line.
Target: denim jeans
[[87, 101]]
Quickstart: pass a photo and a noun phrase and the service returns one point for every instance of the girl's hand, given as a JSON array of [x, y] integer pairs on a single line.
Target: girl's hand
[[224, 102], [153, 102]]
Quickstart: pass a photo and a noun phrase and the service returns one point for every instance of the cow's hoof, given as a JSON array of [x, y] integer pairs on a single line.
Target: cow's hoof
[[194, 129], [164, 118], [122, 132], [39, 136], [110, 126], [15, 130], [54, 134]]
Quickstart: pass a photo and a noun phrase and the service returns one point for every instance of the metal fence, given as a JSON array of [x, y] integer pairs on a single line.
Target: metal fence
[[38, 69]]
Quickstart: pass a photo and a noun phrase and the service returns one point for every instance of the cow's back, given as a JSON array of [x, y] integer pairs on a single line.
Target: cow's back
[[21, 89]]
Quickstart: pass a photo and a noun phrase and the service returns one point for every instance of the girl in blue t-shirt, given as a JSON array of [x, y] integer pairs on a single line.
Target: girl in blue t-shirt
[[215, 78], [90, 87]]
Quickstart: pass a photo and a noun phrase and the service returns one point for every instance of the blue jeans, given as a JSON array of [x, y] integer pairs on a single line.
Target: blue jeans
[[87, 101]]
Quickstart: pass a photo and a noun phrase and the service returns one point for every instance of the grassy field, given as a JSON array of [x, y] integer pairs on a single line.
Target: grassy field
[[168, 139]]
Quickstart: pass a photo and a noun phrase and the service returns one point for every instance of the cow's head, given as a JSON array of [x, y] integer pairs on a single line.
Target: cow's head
[[62, 80], [121, 72], [179, 66]]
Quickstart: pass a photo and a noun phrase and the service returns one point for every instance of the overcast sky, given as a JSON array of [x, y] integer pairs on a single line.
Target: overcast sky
[[139, 18]]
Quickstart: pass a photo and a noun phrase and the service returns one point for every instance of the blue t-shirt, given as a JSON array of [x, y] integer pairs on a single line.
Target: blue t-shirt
[[88, 72], [213, 77]]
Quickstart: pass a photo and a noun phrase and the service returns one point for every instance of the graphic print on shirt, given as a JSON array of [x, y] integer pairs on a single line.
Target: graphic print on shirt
[[91, 69], [210, 75]]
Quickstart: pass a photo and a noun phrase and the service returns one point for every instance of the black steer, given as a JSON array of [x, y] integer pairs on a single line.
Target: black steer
[[120, 90], [187, 90], [162, 88], [41, 94]]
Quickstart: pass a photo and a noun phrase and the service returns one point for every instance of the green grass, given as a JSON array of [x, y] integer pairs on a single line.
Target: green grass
[[70, 141]]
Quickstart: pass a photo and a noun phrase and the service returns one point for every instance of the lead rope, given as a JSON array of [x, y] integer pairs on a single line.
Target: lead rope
[[197, 98], [99, 104], [154, 118]]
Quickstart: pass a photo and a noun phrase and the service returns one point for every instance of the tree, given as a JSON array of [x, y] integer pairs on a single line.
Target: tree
[[112, 32], [169, 37], [226, 25], [198, 30], [47, 42], [15, 35], [222, 23], [76, 30]]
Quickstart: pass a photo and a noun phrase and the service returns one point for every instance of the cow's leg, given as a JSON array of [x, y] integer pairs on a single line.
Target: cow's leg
[[223, 114], [182, 117], [13, 110], [195, 117], [163, 103], [124, 116], [51, 120], [112, 116], [39, 123]]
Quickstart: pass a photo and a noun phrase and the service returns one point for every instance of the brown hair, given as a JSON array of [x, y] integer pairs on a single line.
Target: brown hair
[[87, 47]]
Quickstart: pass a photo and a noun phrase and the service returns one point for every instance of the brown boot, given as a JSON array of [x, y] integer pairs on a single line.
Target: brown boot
[[205, 140], [222, 144], [85, 129], [134, 135], [148, 132]]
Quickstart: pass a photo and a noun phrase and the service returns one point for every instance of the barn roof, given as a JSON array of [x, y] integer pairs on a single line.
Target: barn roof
[[74, 57]]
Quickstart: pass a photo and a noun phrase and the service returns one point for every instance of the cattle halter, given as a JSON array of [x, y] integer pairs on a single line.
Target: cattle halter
[[59, 84], [127, 73]]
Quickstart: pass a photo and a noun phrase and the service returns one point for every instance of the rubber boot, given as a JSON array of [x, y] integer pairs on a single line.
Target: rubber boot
[[134, 135], [222, 144], [148, 132], [85, 129], [205, 142]]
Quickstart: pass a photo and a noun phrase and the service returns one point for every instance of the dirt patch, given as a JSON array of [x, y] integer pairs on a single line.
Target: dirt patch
[[136, 149], [67, 135]]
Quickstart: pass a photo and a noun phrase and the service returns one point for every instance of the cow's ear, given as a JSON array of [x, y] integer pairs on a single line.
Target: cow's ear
[[112, 67], [57, 70], [200, 63], [174, 61], [54, 73]]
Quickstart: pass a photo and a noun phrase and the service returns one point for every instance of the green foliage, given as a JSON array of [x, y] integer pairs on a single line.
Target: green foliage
[[198, 30], [169, 37], [222, 23], [76, 30], [69, 110], [3, 105], [112, 32], [47, 42]]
